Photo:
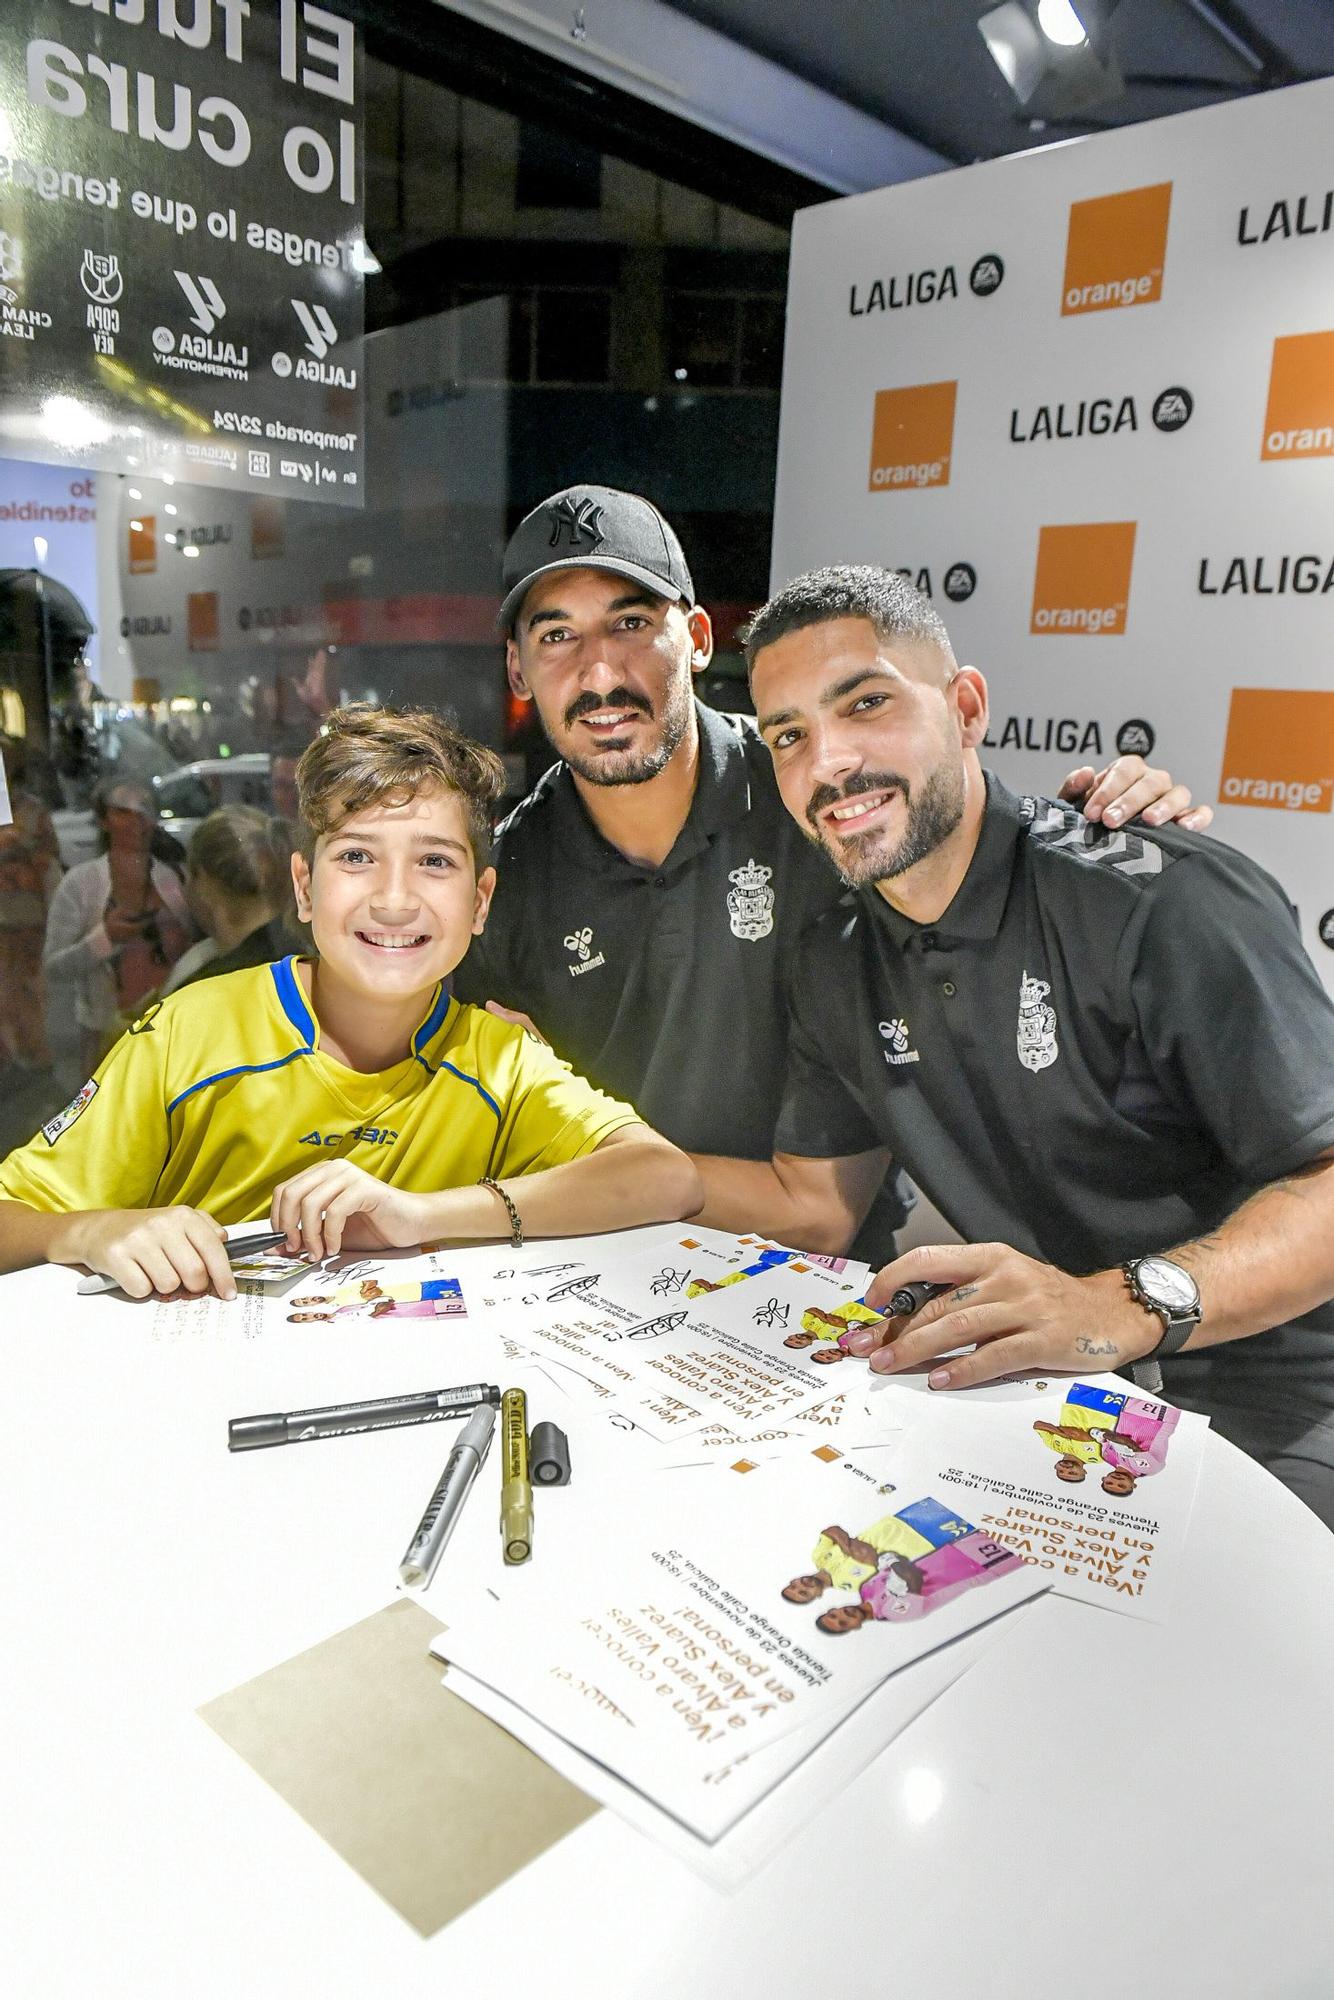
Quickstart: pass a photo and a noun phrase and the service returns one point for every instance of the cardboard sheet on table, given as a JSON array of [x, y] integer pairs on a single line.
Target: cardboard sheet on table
[[430, 1802]]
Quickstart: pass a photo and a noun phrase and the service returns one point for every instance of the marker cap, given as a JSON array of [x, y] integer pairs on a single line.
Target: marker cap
[[246, 1433], [548, 1456]]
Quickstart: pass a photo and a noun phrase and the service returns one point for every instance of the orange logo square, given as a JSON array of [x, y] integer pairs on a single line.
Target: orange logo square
[[201, 621], [1083, 577], [1115, 250], [1279, 749], [912, 437], [1299, 417], [143, 545], [743, 1465], [827, 1453]]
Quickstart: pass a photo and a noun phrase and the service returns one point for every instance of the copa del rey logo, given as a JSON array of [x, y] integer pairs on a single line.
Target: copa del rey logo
[[1115, 250], [750, 901], [1082, 582], [1036, 1036], [1299, 416], [912, 437]]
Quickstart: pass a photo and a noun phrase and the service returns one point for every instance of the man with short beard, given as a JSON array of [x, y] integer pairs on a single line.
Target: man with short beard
[[1107, 1059], [651, 888]]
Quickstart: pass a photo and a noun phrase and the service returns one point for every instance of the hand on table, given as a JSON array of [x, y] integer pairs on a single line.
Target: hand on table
[[337, 1206], [146, 1250], [1021, 1314], [1129, 789]]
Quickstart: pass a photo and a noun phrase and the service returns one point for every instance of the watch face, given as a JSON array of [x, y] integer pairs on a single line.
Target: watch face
[[1165, 1283]]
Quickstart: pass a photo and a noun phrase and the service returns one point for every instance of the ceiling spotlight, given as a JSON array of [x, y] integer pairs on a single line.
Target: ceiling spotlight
[[1056, 56], [1060, 24]]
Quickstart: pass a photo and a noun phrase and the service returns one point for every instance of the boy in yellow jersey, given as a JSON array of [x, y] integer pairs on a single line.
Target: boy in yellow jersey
[[347, 1099]]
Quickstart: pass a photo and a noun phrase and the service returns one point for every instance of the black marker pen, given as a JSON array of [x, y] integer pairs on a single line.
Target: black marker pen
[[429, 1406]]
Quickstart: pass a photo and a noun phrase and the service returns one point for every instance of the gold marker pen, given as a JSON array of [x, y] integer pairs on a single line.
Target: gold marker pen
[[516, 1492]]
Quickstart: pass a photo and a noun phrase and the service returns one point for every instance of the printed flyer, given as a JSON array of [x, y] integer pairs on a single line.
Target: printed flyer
[[703, 1632], [1093, 1491]]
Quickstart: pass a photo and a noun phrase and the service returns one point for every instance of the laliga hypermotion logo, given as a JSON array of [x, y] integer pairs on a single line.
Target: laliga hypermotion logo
[[1299, 416], [1082, 584], [1115, 250], [912, 437], [1280, 749]]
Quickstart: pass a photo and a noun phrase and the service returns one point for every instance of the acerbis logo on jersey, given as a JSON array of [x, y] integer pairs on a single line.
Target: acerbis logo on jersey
[[74, 1109], [362, 1135]]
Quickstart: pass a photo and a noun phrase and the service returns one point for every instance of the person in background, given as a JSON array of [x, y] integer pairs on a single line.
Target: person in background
[[282, 780], [117, 923], [29, 874], [237, 885]]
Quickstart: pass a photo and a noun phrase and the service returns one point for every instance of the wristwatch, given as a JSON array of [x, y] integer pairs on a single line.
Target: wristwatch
[[1165, 1288]]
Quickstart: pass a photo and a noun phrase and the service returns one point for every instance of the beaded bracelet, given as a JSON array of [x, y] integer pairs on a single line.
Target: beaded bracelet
[[516, 1220]]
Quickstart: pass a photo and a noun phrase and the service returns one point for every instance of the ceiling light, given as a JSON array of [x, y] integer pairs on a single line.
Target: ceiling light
[[1060, 24], [1058, 61]]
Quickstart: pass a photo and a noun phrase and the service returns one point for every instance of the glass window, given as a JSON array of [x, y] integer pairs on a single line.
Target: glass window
[[559, 290]]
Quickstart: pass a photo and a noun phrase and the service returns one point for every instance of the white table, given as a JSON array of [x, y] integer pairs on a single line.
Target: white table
[[1102, 1804]]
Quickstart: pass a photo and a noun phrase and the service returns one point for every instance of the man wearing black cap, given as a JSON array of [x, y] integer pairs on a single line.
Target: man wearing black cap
[[651, 887]]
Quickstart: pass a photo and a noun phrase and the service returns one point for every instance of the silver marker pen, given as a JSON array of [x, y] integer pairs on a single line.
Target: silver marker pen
[[446, 1503], [429, 1406]]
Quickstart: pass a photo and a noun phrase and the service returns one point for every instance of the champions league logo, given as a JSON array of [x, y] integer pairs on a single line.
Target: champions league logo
[[1037, 1025], [750, 905]]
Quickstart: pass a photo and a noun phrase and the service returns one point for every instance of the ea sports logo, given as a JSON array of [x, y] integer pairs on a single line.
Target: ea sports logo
[[1172, 409], [960, 582], [1135, 738], [987, 275]]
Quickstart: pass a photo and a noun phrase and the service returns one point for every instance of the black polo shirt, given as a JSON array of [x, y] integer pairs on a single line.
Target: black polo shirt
[[1105, 1044], [665, 986]]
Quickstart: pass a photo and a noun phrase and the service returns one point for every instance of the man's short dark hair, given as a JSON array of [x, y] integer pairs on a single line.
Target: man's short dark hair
[[848, 590]]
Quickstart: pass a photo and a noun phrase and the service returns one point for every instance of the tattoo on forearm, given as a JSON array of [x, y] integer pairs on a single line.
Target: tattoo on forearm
[[964, 1292], [1087, 1346]]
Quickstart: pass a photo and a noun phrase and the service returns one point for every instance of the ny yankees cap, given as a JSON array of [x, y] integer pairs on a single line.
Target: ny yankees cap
[[594, 527]]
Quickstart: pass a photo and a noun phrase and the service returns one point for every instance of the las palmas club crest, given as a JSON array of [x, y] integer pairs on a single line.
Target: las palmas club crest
[[1037, 1025], [750, 903]]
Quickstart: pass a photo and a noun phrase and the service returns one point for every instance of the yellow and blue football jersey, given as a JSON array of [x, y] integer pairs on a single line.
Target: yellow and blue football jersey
[[222, 1090]]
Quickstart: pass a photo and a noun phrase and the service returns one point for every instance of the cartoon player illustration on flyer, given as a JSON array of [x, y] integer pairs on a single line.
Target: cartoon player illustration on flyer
[[827, 1323], [424, 1298], [769, 1256], [901, 1566], [1102, 1427]]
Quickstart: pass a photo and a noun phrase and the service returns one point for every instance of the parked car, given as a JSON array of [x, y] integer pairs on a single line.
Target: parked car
[[188, 795]]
